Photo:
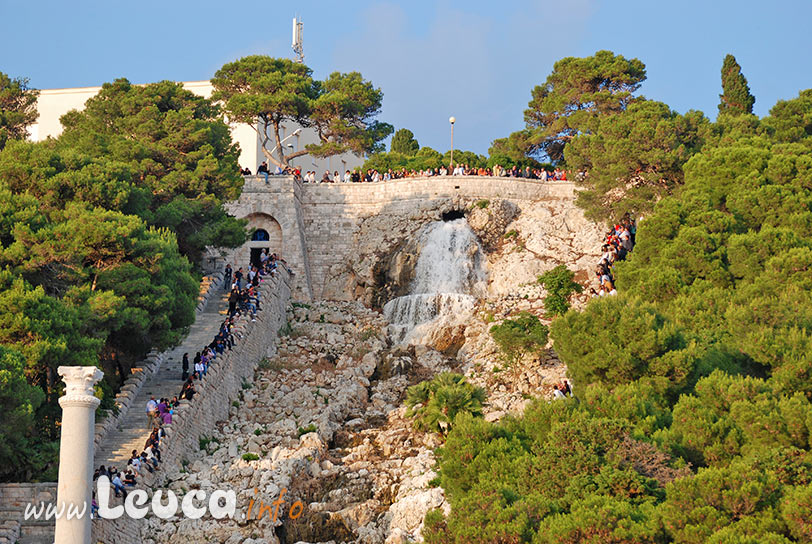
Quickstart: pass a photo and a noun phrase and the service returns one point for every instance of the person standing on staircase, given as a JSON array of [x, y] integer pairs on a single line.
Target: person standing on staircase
[[185, 367], [152, 411], [227, 277]]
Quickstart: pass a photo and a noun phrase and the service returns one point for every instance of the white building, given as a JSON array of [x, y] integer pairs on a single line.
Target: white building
[[54, 103]]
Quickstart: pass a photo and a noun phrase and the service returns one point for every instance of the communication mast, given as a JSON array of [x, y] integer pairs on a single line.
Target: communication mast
[[297, 46]]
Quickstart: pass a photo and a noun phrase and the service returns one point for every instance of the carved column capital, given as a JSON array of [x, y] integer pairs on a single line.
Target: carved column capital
[[79, 383]]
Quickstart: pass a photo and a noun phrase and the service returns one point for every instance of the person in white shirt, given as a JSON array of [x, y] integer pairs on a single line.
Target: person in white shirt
[[347, 176], [152, 411]]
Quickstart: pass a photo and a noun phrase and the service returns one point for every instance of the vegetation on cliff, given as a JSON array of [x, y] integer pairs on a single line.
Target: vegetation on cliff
[[693, 418]]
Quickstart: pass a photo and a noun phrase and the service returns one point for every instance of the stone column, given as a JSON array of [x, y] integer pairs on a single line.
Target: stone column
[[76, 452]]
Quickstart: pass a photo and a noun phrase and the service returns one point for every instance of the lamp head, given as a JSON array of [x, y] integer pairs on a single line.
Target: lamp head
[[452, 120]]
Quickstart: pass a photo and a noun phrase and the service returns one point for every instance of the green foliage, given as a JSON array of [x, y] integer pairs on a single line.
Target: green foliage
[[617, 340], [716, 499], [423, 159], [467, 158], [434, 404], [578, 91], [560, 285], [204, 441], [519, 336], [311, 428], [250, 457], [19, 402], [512, 151], [341, 108], [735, 98], [634, 158], [796, 511], [169, 155], [96, 231], [693, 421], [403, 142], [18, 108], [482, 204]]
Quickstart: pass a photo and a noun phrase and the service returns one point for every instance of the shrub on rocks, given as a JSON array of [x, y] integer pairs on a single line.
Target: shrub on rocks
[[435, 403]]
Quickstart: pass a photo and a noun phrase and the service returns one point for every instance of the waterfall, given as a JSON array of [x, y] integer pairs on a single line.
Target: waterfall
[[449, 277]]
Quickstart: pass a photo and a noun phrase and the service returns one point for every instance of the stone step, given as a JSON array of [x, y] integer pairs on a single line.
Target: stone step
[[132, 432], [36, 539]]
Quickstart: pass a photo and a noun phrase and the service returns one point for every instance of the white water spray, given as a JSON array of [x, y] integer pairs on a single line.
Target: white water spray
[[449, 276]]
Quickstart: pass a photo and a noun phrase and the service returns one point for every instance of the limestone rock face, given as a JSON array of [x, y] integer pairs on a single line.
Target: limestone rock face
[[544, 235], [490, 221], [522, 239]]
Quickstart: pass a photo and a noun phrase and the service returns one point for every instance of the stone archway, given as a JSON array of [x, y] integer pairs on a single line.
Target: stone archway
[[267, 235]]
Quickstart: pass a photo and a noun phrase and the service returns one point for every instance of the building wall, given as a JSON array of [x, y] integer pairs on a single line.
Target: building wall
[[320, 222], [54, 103]]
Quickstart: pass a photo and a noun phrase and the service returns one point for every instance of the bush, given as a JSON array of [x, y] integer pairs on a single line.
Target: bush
[[560, 286], [311, 428], [250, 457], [519, 336], [19, 401], [204, 441], [615, 341], [434, 404]]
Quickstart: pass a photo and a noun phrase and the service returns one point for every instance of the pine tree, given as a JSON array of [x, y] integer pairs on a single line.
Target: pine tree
[[404, 142], [735, 98]]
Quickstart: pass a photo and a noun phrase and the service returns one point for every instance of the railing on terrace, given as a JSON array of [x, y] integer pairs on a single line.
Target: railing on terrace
[[279, 184]]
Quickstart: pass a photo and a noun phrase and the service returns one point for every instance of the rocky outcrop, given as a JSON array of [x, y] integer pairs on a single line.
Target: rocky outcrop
[[544, 235], [322, 420], [490, 218], [522, 240]]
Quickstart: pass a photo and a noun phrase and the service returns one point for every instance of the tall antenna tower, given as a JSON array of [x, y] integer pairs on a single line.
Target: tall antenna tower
[[297, 46]]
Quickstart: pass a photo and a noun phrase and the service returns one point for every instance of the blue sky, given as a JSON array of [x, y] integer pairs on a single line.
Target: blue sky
[[476, 60]]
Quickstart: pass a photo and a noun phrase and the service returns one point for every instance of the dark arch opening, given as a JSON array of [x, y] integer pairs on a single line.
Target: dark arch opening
[[260, 235], [451, 215]]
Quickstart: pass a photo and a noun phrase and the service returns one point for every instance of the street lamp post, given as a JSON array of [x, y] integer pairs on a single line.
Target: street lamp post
[[452, 120]]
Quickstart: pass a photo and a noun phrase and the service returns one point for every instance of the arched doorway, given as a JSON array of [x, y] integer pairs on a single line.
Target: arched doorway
[[260, 235], [267, 234]]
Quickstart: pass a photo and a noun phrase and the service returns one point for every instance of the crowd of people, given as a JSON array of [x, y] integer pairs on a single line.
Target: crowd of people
[[374, 176], [619, 242], [243, 301], [146, 461]]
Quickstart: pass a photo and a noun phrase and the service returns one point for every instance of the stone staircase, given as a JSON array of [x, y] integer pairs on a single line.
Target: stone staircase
[[132, 432]]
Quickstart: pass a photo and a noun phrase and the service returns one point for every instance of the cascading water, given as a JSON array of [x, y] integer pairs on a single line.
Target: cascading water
[[449, 276]]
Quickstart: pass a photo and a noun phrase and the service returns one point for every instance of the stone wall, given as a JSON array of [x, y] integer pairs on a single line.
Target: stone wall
[[334, 216], [13, 499], [212, 401], [320, 222]]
